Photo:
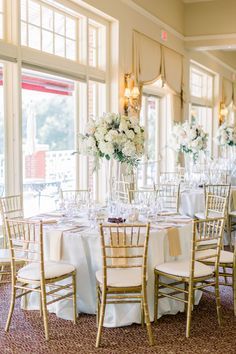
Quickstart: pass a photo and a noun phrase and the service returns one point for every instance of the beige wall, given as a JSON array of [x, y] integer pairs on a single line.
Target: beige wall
[[124, 19], [169, 11], [210, 17], [229, 57]]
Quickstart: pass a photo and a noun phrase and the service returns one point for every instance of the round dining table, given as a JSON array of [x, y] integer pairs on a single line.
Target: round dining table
[[80, 245]]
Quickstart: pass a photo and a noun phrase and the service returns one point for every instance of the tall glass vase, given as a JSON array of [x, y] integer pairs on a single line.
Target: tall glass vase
[[113, 176]]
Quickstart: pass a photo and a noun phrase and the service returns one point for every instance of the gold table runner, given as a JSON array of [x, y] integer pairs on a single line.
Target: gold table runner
[[174, 242]]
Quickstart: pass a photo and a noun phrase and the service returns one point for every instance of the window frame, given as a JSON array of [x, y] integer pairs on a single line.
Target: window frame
[[18, 57]]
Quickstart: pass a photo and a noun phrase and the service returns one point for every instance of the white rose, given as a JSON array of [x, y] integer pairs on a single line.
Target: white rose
[[90, 128], [130, 134], [129, 149]]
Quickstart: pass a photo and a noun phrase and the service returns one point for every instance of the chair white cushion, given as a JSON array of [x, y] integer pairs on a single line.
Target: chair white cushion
[[52, 270], [182, 269], [225, 256], [117, 277], [233, 213]]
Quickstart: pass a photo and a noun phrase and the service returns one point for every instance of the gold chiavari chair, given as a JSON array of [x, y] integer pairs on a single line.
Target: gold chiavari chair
[[168, 195], [123, 278], [227, 268], [222, 190], [11, 207], [143, 197], [215, 205], [37, 275], [78, 196], [170, 177], [192, 273]]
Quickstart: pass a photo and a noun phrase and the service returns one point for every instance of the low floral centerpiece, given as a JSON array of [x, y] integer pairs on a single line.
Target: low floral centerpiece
[[226, 135], [114, 136], [189, 138]]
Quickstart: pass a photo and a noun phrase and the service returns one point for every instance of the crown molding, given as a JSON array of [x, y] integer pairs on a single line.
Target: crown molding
[[153, 18], [222, 63], [210, 37]]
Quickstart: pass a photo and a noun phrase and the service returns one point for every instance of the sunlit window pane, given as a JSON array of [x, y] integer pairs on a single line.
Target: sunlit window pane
[[47, 18], [34, 13], [23, 10], [23, 34], [48, 132], [34, 37], [59, 23], [59, 45], [70, 49], [47, 41], [70, 28]]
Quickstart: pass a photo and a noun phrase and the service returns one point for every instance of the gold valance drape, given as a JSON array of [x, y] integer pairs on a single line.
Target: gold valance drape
[[152, 61]]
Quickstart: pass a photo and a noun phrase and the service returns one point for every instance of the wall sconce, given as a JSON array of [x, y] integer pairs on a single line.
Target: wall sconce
[[223, 113], [131, 95]]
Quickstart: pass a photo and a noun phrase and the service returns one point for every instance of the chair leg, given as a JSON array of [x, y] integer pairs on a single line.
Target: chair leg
[[1, 275], [98, 305], [11, 309], [189, 309], [218, 305], [229, 229], [186, 297], [147, 318], [234, 289], [142, 313], [45, 313], [74, 297], [40, 306], [156, 288], [225, 278], [101, 317]]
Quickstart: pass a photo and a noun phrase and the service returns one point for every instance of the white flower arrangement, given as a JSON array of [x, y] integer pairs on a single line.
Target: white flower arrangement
[[114, 136], [189, 138], [226, 135]]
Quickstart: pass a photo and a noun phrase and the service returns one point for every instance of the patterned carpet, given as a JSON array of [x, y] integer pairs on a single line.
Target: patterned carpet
[[26, 333]]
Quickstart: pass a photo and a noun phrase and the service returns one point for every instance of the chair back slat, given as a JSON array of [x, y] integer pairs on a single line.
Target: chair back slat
[[25, 242], [77, 196], [216, 205], [124, 246], [168, 195], [207, 235], [11, 207]]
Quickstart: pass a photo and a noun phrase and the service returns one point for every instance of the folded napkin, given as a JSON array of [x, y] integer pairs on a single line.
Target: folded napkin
[[118, 239], [49, 221], [174, 242], [55, 237], [233, 199]]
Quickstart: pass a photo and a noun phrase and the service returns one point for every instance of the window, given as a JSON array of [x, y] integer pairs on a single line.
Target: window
[[1, 18], [96, 51], [48, 139], [149, 119], [201, 89], [49, 30], [2, 155], [96, 106]]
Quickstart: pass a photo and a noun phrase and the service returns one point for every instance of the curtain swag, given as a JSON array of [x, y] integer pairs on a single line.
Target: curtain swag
[[152, 61]]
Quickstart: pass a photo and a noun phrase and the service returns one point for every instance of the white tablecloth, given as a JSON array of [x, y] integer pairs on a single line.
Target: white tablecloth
[[83, 251], [192, 202]]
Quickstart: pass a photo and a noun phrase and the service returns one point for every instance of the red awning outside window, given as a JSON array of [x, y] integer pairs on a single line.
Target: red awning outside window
[[44, 84]]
